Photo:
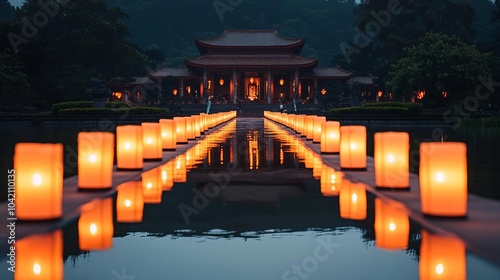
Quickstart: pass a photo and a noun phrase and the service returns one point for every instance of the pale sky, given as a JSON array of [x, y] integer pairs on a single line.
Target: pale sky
[[16, 3]]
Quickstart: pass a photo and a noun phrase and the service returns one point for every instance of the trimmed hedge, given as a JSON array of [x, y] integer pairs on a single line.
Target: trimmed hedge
[[57, 107], [114, 112], [370, 110], [491, 121], [412, 107]]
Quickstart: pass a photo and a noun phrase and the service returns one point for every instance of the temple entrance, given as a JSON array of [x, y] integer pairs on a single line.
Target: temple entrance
[[254, 90]]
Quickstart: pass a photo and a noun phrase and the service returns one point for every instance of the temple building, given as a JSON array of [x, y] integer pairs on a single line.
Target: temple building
[[259, 66]]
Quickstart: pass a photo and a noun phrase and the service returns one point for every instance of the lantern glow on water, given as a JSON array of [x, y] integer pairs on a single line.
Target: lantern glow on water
[[442, 257], [352, 201], [152, 186], [129, 202], [95, 226], [392, 225], [331, 181], [39, 186]]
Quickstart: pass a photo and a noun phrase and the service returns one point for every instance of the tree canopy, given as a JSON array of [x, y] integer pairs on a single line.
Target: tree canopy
[[442, 66]]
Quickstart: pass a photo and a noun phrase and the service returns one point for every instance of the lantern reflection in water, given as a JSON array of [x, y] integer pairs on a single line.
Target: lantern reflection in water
[[167, 176], [352, 201], [129, 203], [95, 226], [441, 257], [39, 257], [392, 226], [253, 149], [331, 181], [39, 180], [180, 172], [152, 186]]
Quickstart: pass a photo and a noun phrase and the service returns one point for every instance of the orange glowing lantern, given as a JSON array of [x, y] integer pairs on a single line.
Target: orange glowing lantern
[[39, 181], [352, 201], [251, 80], [318, 125], [129, 151], [331, 181], [95, 226], [353, 147], [167, 176], [152, 186], [152, 143], [392, 226], [95, 160], [221, 81], [442, 257], [309, 129], [330, 137], [180, 172], [443, 179], [39, 257], [317, 166], [196, 126], [392, 161], [180, 130], [129, 203], [190, 134], [168, 139], [282, 81]]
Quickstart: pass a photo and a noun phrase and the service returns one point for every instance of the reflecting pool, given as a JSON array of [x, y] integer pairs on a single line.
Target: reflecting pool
[[248, 201]]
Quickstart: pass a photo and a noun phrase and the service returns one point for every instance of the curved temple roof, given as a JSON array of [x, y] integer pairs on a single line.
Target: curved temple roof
[[250, 38]]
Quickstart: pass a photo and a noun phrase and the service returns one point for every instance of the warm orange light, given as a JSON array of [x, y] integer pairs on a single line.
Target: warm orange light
[[330, 137], [39, 180], [392, 163], [443, 179], [180, 130], [310, 127], [221, 81], [392, 226], [129, 149], [95, 226], [318, 126], [352, 201], [380, 93], [39, 257], [442, 257], [188, 89], [331, 181], [195, 125], [323, 91], [152, 186], [282, 81], [353, 147], [180, 173], [152, 142], [167, 176], [190, 134], [251, 80], [95, 160], [168, 139], [129, 203], [174, 92]]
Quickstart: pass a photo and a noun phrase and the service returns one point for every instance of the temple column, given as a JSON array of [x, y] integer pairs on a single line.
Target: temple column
[[235, 88], [268, 89], [296, 78], [181, 89], [204, 83]]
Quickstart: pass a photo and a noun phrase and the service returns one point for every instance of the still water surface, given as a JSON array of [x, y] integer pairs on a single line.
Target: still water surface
[[247, 204]]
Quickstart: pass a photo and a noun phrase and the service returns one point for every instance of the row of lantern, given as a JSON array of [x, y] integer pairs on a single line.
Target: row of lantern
[[443, 166], [39, 166], [441, 257]]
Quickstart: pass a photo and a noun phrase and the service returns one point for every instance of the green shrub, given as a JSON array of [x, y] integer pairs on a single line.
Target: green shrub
[[370, 110], [117, 105], [71, 104], [412, 107]]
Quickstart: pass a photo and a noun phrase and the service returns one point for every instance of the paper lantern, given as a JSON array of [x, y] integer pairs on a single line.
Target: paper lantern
[[129, 203], [152, 143], [190, 134], [331, 181], [129, 148], [39, 257], [330, 137], [167, 176], [39, 181], [95, 226], [352, 201], [443, 179], [442, 257], [152, 186], [392, 226], [318, 126], [168, 139], [353, 147], [196, 126], [180, 130], [95, 160], [309, 129], [392, 162], [180, 173]]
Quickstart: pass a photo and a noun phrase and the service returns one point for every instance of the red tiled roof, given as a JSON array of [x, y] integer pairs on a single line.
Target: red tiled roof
[[250, 38], [275, 60], [179, 72]]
